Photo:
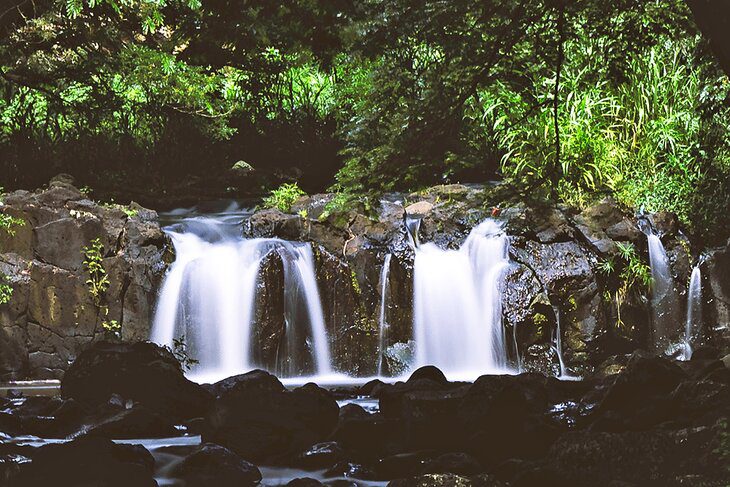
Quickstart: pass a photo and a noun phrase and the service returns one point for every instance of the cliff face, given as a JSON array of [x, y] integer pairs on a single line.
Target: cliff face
[[564, 264], [52, 314]]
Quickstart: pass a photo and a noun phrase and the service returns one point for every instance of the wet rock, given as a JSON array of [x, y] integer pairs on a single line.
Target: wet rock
[[604, 223], [428, 372], [419, 209], [137, 422], [718, 285], [644, 380], [242, 169], [274, 223], [352, 411], [369, 437], [215, 465], [143, 372], [457, 463], [641, 458], [321, 455], [87, 461], [446, 480], [305, 482], [404, 465], [258, 419], [350, 470]]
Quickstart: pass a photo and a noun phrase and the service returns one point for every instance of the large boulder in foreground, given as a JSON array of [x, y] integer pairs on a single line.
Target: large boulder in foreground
[[142, 372], [257, 418], [87, 461], [214, 465]]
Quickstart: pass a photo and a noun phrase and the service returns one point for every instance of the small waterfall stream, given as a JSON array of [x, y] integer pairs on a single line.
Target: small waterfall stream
[[209, 294], [694, 311], [382, 319], [664, 299], [457, 304]]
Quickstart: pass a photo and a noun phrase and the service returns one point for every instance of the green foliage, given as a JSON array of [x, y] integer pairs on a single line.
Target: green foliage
[[112, 328], [284, 197], [6, 290], [7, 223], [633, 280], [340, 203], [180, 351], [98, 281], [576, 99]]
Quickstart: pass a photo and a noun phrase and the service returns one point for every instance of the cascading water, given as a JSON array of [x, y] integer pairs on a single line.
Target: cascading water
[[694, 310], [664, 298], [209, 296], [382, 319], [457, 304]]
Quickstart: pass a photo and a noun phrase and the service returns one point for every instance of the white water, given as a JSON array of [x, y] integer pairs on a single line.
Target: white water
[[209, 296], [457, 304], [694, 310], [382, 319], [664, 298]]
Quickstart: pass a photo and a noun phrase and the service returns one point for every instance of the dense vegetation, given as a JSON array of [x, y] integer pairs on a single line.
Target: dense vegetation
[[578, 99]]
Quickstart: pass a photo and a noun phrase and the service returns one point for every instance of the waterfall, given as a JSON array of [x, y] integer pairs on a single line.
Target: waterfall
[[209, 294], [382, 323], [457, 304], [413, 224], [664, 299], [694, 310]]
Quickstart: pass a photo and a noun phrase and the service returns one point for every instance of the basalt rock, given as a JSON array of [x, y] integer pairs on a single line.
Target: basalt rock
[[87, 461], [215, 465], [142, 372], [260, 420], [52, 316]]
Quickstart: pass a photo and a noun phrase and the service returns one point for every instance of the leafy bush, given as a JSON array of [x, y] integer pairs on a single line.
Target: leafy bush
[[284, 197]]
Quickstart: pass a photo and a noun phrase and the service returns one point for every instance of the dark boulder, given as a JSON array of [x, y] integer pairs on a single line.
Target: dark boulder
[[87, 461], [215, 465], [638, 397], [321, 455], [137, 422], [639, 458], [258, 419], [369, 437], [143, 372], [350, 470], [447, 480], [305, 482], [428, 372], [458, 463]]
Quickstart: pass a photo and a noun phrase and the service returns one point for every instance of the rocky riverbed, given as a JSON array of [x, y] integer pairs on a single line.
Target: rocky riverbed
[[639, 420]]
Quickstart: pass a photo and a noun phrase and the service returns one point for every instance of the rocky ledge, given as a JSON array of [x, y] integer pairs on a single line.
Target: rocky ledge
[[53, 312], [564, 263], [643, 421]]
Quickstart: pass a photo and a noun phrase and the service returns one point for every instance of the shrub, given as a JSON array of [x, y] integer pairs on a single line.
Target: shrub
[[284, 197]]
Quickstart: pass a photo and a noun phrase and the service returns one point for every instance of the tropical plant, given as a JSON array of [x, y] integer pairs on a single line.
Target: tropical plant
[[98, 281], [284, 197]]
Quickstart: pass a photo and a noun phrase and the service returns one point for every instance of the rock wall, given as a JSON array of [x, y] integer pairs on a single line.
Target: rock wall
[[558, 270], [52, 315]]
